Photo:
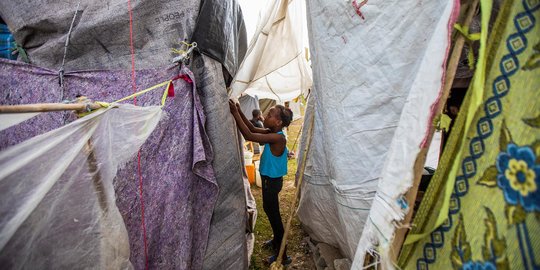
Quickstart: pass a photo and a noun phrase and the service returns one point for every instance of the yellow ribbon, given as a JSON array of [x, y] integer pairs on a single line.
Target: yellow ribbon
[[464, 30], [148, 90], [181, 52], [442, 122], [106, 105]]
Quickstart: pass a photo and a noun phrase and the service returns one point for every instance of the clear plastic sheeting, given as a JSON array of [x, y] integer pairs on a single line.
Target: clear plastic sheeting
[[57, 209], [11, 119], [275, 65], [377, 70]]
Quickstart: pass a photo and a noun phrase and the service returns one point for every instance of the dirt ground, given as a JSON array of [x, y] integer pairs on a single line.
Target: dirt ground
[[298, 250]]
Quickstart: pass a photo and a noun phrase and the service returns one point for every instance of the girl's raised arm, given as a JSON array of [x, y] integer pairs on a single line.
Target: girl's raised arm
[[248, 123], [253, 136]]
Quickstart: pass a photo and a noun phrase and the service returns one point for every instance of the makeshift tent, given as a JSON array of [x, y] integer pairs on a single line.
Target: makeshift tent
[[100, 39], [275, 66], [227, 245], [378, 70], [486, 192]]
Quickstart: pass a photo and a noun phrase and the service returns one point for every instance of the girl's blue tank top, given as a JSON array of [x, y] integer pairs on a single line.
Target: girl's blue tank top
[[271, 165]]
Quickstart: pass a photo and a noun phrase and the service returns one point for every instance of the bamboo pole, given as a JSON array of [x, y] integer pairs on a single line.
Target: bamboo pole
[[421, 157], [47, 107], [277, 264]]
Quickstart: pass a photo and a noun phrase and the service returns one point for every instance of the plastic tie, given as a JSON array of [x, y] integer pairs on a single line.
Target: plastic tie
[[464, 30]]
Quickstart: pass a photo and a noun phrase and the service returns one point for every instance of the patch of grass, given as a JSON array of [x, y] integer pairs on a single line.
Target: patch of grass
[[296, 248]]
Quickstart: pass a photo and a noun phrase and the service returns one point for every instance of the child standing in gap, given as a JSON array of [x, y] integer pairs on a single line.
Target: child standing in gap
[[273, 165]]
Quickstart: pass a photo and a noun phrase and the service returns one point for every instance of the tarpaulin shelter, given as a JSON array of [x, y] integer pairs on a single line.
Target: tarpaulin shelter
[[207, 219], [378, 70]]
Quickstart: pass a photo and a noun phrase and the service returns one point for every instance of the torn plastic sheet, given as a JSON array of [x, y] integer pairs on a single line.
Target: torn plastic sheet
[[58, 206]]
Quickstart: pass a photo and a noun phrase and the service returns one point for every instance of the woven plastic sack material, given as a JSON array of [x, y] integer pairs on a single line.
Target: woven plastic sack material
[[58, 206], [366, 64], [275, 66]]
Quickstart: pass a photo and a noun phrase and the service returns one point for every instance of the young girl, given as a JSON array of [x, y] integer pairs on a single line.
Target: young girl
[[273, 164]]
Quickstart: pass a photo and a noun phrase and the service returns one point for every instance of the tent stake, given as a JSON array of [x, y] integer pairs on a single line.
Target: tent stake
[[421, 157]]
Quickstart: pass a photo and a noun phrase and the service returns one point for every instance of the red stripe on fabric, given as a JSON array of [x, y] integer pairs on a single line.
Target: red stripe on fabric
[[139, 167], [433, 108]]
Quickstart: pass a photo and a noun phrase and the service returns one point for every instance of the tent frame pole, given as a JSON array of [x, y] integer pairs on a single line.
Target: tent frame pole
[[277, 264], [47, 107]]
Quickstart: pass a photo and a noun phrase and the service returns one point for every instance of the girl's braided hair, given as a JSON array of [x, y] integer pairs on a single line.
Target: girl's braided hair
[[286, 115]]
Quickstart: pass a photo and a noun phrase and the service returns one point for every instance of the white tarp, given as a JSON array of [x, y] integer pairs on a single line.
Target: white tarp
[[377, 70], [296, 107], [275, 65], [248, 104], [57, 209], [410, 135]]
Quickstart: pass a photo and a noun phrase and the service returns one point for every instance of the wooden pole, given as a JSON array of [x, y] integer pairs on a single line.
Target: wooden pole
[[421, 157], [47, 107], [94, 170], [277, 264]]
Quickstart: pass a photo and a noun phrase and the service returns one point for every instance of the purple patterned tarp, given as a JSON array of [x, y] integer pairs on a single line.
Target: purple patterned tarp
[[179, 185]]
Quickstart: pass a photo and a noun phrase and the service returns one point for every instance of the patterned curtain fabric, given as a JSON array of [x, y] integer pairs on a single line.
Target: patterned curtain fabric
[[494, 211]]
